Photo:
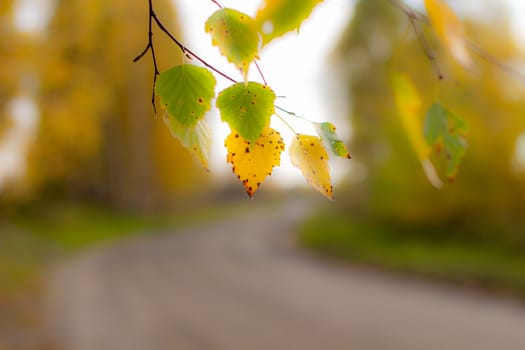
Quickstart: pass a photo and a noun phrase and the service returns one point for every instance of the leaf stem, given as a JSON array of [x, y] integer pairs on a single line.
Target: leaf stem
[[284, 121], [217, 3], [294, 114], [498, 63], [260, 72]]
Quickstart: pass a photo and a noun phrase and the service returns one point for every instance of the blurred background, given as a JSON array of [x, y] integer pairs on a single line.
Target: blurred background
[[84, 161]]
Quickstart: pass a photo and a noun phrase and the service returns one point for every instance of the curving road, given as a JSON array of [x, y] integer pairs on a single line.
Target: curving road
[[242, 284]]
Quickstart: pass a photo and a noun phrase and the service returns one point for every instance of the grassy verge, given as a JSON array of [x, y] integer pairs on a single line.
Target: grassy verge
[[32, 236], [74, 226], [495, 265]]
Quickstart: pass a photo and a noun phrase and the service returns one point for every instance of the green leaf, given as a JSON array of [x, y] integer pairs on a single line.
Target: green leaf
[[332, 141], [447, 133], [278, 17], [196, 138], [187, 91], [247, 108], [236, 36]]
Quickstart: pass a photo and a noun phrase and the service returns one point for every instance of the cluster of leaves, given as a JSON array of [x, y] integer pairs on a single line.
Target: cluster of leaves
[[442, 131], [254, 148]]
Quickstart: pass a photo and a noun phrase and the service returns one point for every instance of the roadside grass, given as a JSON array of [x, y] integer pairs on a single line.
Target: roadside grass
[[492, 264], [74, 226], [36, 235]]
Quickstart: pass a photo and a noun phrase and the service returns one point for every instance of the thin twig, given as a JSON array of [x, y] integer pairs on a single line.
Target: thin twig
[[413, 18], [426, 48], [285, 122], [293, 114], [260, 72], [150, 47], [410, 12], [493, 60], [185, 50], [217, 3]]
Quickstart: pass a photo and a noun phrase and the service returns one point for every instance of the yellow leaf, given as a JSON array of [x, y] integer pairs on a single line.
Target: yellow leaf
[[278, 17], [409, 105], [449, 29], [309, 155], [253, 161]]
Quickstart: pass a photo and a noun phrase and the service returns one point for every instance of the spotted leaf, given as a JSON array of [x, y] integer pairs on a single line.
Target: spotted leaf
[[447, 133], [331, 140], [236, 36], [186, 91], [309, 155], [247, 108], [252, 161]]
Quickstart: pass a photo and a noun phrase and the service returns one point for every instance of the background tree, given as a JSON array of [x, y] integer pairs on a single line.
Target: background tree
[[489, 193], [97, 135]]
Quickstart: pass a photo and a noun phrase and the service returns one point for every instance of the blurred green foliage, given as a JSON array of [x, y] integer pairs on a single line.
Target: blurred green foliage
[[470, 230], [489, 189], [35, 235], [449, 254]]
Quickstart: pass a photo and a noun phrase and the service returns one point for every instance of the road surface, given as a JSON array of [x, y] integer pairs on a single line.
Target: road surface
[[243, 284]]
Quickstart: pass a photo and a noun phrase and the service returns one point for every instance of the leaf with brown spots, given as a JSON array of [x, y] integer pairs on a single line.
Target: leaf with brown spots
[[332, 141], [446, 133], [247, 108], [236, 36], [253, 161], [309, 155], [186, 90]]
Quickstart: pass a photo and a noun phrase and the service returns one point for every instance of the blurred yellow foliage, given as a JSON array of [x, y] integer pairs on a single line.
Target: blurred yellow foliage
[[97, 134], [449, 29]]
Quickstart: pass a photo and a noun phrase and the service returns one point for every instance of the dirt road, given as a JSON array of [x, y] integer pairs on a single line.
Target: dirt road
[[242, 284]]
